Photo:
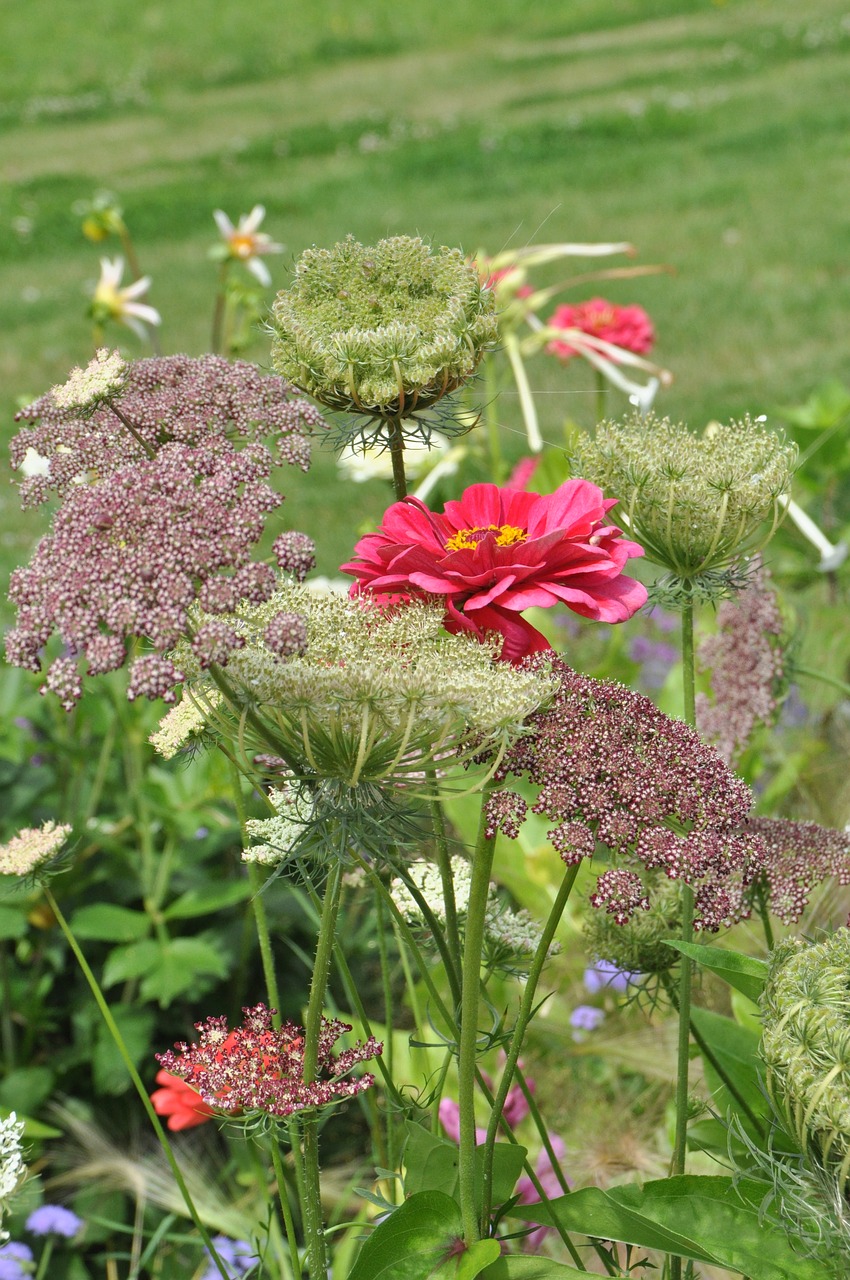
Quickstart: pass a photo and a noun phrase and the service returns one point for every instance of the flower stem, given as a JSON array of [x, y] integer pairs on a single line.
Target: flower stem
[[220, 309], [523, 1018], [314, 1232], [601, 394], [479, 892], [280, 1179], [444, 862], [685, 978], [118, 1039], [397, 457]]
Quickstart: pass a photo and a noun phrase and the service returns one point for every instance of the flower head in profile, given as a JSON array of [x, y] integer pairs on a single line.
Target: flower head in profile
[[31, 848], [256, 1068], [182, 1105], [111, 302], [103, 377], [626, 327], [495, 552], [245, 243]]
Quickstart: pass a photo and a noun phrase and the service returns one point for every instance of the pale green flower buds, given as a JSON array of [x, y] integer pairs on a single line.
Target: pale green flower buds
[[697, 504], [638, 946], [384, 331]]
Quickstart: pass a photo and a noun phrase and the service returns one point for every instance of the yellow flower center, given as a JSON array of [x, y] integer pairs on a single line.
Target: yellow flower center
[[507, 535], [243, 245]]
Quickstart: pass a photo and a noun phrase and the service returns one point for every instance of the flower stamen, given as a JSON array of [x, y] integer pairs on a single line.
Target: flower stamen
[[507, 535]]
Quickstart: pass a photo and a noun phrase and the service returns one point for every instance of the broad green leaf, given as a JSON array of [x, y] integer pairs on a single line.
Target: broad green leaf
[[521, 1268], [422, 1240], [705, 1219], [732, 1064], [745, 973], [207, 900], [131, 962], [13, 924], [180, 963], [26, 1089], [106, 922], [431, 1164], [136, 1027]]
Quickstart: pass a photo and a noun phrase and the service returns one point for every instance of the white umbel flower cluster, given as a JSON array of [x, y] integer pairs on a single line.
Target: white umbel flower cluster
[[103, 377], [278, 834], [12, 1166]]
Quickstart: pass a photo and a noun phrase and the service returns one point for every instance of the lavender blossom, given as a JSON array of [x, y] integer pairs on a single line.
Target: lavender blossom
[[14, 1258], [605, 976], [610, 767], [586, 1017], [53, 1219], [237, 1255], [747, 668]]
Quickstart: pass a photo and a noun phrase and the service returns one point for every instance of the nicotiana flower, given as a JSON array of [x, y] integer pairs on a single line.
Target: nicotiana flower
[[627, 327], [53, 1219], [367, 697], [495, 552], [245, 242], [31, 848], [110, 302], [610, 767], [256, 1068], [747, 666], [182, 1106], [806, 1029], [698, 504], [383, 330]]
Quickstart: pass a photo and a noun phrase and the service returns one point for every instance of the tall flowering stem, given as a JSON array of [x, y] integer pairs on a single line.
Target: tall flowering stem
[[396, 435], [524, 1014], [482, 863], [686, 973], [118, 1039]]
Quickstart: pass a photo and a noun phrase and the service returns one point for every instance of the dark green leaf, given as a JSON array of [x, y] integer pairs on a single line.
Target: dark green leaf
[[179, 964], [732, 1065], [136, 1027], [25, 1089], [745, 973], [422, 1240], [207, 900], [13, 923], [521, 1268], [431, 1163], [106, 922]]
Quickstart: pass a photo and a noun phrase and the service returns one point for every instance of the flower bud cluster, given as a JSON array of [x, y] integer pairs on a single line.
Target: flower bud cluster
[[806, 1046], [383, 331], [638, 946], [695, 503], [610, 767]]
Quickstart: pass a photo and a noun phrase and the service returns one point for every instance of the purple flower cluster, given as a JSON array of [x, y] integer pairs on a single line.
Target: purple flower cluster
[[237, 1255], [14, 1260], [799, 856], [610, 767], [168, 521], [165, 399], [606, 976], [53, 1219], [256, 1068], [747, 668]]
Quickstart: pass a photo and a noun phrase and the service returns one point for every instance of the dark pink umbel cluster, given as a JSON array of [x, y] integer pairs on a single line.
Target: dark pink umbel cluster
[[610, 767], [496, 552], [799, 856], [626, 327], [185, 399], [256, 1068]]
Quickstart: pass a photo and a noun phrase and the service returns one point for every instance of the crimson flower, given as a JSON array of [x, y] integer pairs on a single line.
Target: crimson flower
[[627, 327], [183, 1105], [496, 552]]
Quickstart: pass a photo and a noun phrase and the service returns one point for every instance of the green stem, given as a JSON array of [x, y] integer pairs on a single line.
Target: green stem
[[397, 456], [220, 308], [496, 466], [680, 1144], [479, 892], [386, 982], [761, 900], [286, 1210], [314, 1232], [118, 1039], [44, 1260], [601, 395], [526, 1009], [797, 670], [444, 862]]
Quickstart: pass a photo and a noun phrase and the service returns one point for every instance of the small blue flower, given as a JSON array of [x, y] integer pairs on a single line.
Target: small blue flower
[[53, 1219], [11, 1257], [605, 975], [237, 1255], [586, 1017]]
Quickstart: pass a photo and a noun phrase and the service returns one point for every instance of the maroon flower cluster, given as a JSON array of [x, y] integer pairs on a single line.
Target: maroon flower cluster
[[747, 668], [610, 767], [256, 1068], [799, 856], [160, 512], [166, 398]]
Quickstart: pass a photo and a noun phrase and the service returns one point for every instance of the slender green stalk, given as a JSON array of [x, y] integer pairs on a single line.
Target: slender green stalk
[[764, 915], [44, 1260], [823, 676], [601, 394], [397, 457], [479, 892], [386, 981], [523, 1018], [444, 862], [680, 1144], [220, 309], [106, 1013], [496, 466], [280, 1179]]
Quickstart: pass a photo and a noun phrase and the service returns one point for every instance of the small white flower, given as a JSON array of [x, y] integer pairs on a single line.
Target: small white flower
[[11, 1160], [245, 243], [113, 303]]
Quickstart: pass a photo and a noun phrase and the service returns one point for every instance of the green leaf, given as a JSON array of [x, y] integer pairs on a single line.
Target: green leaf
[[131, 962], [26, 1089], [207, 900], [431, 1163], [106, 922], [520, 1268], [735, 1052], [136, 1027], [13, 923], [745, 973], [705, 1219], [181, 962], [422, 1240]]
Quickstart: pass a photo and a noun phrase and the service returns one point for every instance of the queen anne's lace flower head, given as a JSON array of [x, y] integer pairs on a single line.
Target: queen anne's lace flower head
[[12, 1167], [385, 330], [32, 848]]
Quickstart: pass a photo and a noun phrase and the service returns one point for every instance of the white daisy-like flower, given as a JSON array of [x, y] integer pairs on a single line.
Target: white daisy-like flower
[[110, 302], [246, 243]]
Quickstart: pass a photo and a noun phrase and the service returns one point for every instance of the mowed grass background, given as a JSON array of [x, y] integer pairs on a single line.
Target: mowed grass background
[[714, 137]]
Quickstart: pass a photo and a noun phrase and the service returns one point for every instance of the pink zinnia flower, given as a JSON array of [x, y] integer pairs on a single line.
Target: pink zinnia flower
[[496, 552], [627, 327]]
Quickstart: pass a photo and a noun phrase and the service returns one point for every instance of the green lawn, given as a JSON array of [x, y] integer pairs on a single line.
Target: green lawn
[[712, 136]]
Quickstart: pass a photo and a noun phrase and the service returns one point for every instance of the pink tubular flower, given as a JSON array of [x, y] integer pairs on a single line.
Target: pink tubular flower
[[179, 1102], [496, 552], [627, 327]]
